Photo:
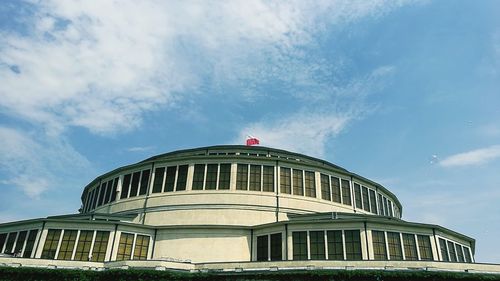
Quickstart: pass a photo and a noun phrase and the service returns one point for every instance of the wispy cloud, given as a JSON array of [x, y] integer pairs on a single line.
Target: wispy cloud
[[473, 157], [140, 148]]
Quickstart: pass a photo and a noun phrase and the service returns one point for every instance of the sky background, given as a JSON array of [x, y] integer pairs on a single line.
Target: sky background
[[406, 93]]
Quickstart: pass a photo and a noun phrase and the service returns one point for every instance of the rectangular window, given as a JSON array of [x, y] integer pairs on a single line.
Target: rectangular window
[[10, 243], [346, 193], [317, 245], [325, 187], [20, 242], [373, 201], [125, 186], [366, 202], [285, 180], [379, 247], [158, 182], [84, 244], [262, 248], [467, 255], [109, 190], [299, 242], [125, 247], [94, 198], [310, 184], [170, 179], [211, 181], [380, 205], [100, 246], [451, 250], [255, 177], [335, 245], [389, 206], [458, 250], [141, 247], [410, 246], [115, 188], [199, 176], [144, 182], [444, 251], [386, 207], [67, 245], [3, 238], [242, 177], [50, 246], [224, 176], [134, 187], [102, 191], [424, 247], [357, 196], [335, 190], [298, 183], [394, 243], [182, 177], [276, 248], [353, 244], [30, 243], [268, 178]]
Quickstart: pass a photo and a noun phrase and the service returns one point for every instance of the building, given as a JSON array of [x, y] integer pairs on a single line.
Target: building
[[235, 208]]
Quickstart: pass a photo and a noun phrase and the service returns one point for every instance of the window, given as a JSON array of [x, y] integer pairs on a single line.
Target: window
[[125, 186], [262, 247], [211, 181], [199, 176], [224, 176], [10, 243], [141, 247], [380, 205], [144, 182], [410, 247], [373, 201], [310, 184], [458, 250], [299, 241], [389, 205], [94, 198], [134, 187], [386, 207], [170, 179], [158, 182], [335, 245], [298, 184], [182, 178], [335, 189], [357, 196], [242, 177], [424, 247], [467, 255], [83, 246], [268, 178], [366, 202], [394, 243], [67, 245], [346, 193], [317, 245], [325, 187], [113, 193], [255, 177], [352, 244], [50, 246], [285, 180], [109, 190], [276, 247], [30, 243], [451, 250], [100, 246], [101, 192], [3, 238], [125, 247], [444, 251], [379, 247], [20, 242]]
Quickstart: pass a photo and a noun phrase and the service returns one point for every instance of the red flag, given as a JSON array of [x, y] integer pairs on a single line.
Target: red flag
[[252, 141]]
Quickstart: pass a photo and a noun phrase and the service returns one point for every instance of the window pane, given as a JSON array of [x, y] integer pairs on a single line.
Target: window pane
[[83, 246], [242, 177], [158, 182], [424, 247], [30, 243], [94, 198], [451, 250], [144, 182], [20, 242], [141, 247], [381, 210], [268, 178], [389, 205], [353, 244], [262, 248], [67, 245], [100, 246], [125, 186], [255, 177], [182, 178], [102, 192], [199, 176], [366, 202], [115, 186], [3, 238], [10, 243], [346, 193], [109, 190], [170, 179], [458, 250], [125, 247], [379, 248], [373, 201], [50, 246], [211, 177], [467, 257], [224, 176], [444, 251], [285, 180], [386, 207], [298, 184], [134, 187], [325, 188], [394, 243], [317, 245], [299, 242], [310, 184], [276, 247], [410, 247], [357, 196], [335, 245], [335, 189]]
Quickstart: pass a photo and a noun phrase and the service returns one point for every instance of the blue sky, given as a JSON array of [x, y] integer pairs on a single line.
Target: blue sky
[[406, 93]]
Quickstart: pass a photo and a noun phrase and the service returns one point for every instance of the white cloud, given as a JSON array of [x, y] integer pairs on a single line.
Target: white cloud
[[473, 157]]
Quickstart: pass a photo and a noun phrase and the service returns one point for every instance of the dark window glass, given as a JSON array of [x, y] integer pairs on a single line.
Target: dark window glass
[[389, 206], [380, 205], [100, 246], [242, 177], [410, 246], [141, 247], [94, 197], [224, 176], [158, 182], [310, 184], [325, 188], [467, 255], [394, 243], [109, 190], [125, 186], [299, 242], [3, 238], [357, 196], [85, 203], [268, 178], [458, 250], [285, 180], [298, 183], [10, 243], [386, 207], [424, 247], [346, 193], [125, 247], [211, 182], [102, 194], [182, 178], [444, 251], [317, 245], [134, 187], [20, 242], [373, 201], [353, 244], [276, 247], [170, 180], [379, 248], [255, 177], [67, 245], [199, 176], [50, 246], [83, 246], [262, 248], [30, 243], [144, 182], [115, 186], [451, 250], [335, 245], [366, 202], [335, 190]]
